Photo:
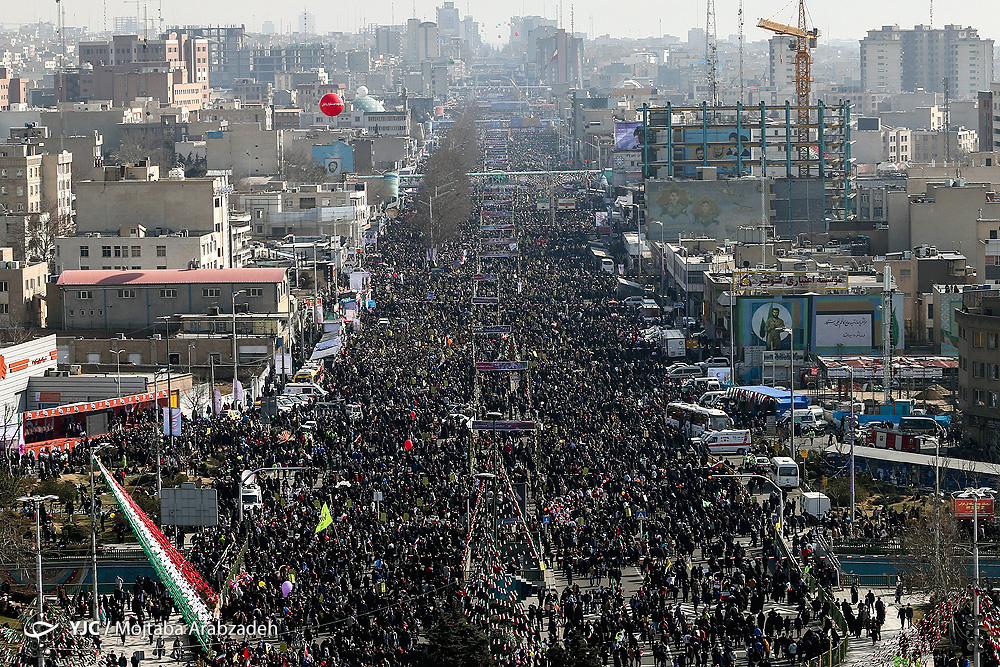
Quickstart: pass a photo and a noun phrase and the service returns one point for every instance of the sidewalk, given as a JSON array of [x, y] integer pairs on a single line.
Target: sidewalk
[[860, 650]]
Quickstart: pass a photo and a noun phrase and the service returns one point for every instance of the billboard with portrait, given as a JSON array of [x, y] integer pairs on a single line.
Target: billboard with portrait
[[763, 322], [711, 208], [724, 147], [628, 136]]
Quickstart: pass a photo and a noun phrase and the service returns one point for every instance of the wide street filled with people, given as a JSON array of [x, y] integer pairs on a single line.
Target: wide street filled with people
[[646, 556]]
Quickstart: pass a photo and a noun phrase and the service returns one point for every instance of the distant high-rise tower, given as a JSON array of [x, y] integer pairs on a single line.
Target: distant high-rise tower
[[894, 60]]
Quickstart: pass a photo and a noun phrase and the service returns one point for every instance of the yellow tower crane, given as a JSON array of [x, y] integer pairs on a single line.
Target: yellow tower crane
[[805, 39]]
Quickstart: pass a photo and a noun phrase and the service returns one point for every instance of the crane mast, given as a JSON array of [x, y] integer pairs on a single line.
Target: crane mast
[[805, 39]]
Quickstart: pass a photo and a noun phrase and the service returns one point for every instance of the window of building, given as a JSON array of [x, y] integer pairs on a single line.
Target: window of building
[[85, 251], [85, 294], [136, 251], [978, 339], [105, 251], [161, 251], [255, 291], [126, 294], [979, 369], [994, 399], [211, 292], [992, 340], [71, 313], [994, 370], [979, 397], [168, 294], [3, 286]]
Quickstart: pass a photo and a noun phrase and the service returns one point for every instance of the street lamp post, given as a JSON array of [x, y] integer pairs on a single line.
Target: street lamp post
[[976, 495], [791, 391], [93, 525], [37, 502], [851, 436], [236, 359], [168, 420], [118, 373]]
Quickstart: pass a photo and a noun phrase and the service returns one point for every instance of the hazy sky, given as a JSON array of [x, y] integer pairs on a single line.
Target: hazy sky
[[847, 19]]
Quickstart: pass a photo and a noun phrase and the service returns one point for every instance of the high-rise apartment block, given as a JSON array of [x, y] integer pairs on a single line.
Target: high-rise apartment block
[[934, 59]]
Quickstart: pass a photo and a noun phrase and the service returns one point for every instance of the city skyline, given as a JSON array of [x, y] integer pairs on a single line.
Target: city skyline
[[850, 19]]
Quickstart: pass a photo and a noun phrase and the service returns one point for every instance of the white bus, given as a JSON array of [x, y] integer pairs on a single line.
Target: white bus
[[784, 472], [696, 420]]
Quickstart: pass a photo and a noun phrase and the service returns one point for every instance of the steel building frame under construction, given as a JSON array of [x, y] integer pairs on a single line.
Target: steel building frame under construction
[[680, 141]]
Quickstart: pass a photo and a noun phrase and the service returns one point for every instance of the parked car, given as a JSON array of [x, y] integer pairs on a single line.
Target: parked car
[[685, 372]]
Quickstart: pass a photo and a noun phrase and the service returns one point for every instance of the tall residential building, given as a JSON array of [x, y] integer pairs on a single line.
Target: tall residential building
[[925, 57], [559, 58], [422, 41], [228, 52], [882, 60], [781, 64], [448, 20]]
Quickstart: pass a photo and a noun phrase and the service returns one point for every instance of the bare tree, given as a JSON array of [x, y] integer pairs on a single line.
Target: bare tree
[[298, 167], [928, 558], [141, 145]]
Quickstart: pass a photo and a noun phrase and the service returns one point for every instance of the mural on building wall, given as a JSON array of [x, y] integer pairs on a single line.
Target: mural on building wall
[[711, 208]]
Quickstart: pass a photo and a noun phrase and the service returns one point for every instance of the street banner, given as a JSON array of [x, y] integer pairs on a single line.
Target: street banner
[[487, 366], [496, 214], [486, 425], [171, 421], [485, 300], [489, 277], [498, 254], [496, 228], [495, 329], [499, 241]]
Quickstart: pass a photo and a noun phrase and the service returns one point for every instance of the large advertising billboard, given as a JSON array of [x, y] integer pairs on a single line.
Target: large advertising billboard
[[724, 146], [627, 136], [824, 324], [764, 322], [713, 208]]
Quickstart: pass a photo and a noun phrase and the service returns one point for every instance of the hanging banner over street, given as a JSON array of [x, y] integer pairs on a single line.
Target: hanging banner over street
[[497, 214], [498, 425], [489, 277], [495, 329], [486, 366], [485, 300], [498, 254], [496, 228], [499, 241]]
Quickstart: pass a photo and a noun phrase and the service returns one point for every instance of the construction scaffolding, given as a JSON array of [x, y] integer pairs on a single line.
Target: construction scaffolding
[[681, 142]]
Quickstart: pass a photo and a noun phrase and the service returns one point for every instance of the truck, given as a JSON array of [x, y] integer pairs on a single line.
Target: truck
[[673, 344], [815, 503], [728, 441]]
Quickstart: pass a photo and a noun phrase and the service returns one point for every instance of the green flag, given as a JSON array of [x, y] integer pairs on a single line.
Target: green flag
[[325, 520]]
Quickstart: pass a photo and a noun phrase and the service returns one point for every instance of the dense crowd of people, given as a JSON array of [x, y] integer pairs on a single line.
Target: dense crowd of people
[[609, 487]]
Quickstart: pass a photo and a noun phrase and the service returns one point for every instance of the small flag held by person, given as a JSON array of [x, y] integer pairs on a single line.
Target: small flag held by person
[[325, 520]]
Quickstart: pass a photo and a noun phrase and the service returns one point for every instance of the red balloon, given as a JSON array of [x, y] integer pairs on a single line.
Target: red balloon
[[408, 445], [413, 415], [331, 104]]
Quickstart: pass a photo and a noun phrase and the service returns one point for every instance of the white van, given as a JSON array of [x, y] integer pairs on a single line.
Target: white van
[[304, 389], [249, 491], [804, 417], [729, 441], [702, 385], [710, 398], [608, 265], [784, 472]]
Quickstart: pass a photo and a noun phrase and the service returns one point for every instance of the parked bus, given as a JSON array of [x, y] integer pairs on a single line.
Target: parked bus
[[310, 373], [695, 420]]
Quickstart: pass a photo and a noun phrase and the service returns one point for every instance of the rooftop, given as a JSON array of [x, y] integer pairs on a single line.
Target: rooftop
[[172, 276]]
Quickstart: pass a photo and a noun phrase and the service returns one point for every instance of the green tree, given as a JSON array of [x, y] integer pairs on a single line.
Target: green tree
[[573, 652], [454, 642]]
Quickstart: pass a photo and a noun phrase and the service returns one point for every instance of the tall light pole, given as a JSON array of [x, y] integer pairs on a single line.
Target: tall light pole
[[168, 420], [93, 526], [791, 392], [236, 359], [851, 436], [118, 374], [37, 502], [976, 494]]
